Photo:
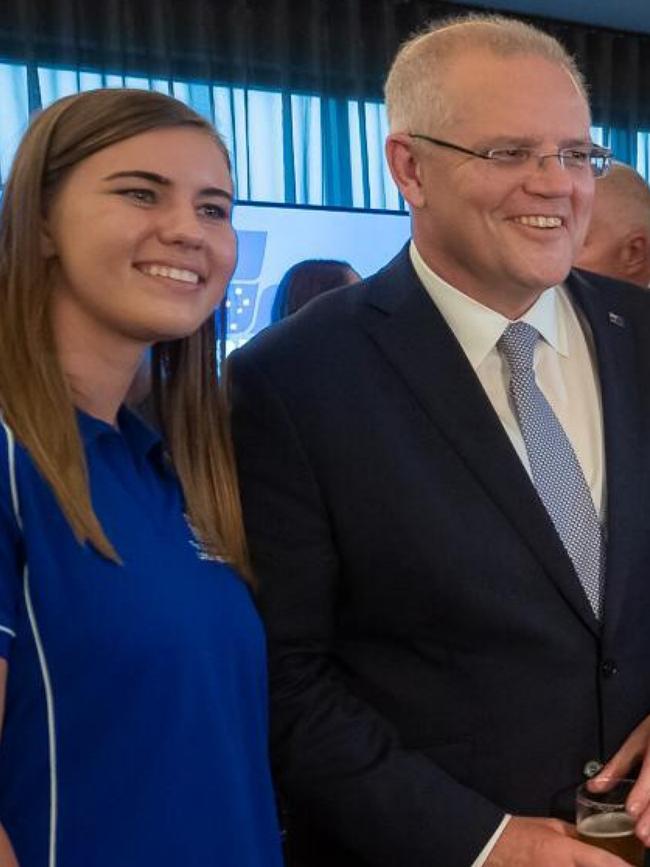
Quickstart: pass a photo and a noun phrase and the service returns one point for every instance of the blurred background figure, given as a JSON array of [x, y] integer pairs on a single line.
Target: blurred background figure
[[618, 240], [305, 280]]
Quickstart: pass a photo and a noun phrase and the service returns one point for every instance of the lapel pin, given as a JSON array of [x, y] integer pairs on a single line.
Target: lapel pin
[[615, 319]]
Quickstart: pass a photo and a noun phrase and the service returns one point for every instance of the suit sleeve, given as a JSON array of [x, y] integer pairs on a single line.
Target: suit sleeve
[[338, 761]]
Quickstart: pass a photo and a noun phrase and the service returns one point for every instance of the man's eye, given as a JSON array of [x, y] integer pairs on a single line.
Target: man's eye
[[142, 195], [510, 155], [576, 157]]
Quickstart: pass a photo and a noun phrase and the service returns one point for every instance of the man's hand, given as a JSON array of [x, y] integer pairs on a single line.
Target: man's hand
[[634, 750], [546, 843]]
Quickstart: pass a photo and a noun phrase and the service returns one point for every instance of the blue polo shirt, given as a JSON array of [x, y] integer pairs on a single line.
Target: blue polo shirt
[[135, 729]]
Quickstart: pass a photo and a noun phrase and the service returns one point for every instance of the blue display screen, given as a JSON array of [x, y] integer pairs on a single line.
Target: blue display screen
[[273, 238]]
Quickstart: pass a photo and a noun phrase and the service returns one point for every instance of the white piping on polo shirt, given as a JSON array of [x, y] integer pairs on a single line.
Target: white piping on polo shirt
[[47, 685], [11, 458], [51, 730]]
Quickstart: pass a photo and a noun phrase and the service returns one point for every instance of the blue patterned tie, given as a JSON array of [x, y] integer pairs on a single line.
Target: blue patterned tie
[[556, 472]]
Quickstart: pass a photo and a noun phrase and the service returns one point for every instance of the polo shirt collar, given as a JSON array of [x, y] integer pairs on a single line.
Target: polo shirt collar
[[140, 437], [478, 328]]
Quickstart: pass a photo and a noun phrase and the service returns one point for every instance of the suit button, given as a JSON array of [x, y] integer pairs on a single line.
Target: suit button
[[591, 768], [608, 668]]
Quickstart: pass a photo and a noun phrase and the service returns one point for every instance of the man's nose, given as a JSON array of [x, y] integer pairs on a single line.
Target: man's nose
[[549, 176]]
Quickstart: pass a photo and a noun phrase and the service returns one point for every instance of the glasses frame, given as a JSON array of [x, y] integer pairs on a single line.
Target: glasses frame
[[594, 151]]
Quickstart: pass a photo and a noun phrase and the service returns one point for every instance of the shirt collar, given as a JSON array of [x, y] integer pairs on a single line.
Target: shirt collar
[[140, 437], [477, 327]]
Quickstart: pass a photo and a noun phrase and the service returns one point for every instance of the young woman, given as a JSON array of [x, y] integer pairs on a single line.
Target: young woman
[[133, 667]]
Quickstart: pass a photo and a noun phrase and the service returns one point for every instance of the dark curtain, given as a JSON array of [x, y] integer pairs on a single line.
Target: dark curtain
[[335, 47]]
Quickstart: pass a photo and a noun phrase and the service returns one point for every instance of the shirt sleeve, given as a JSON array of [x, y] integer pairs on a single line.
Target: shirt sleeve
[[10, 552]]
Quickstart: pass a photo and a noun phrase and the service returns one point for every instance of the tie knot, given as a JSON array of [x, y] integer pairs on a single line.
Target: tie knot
[[517, 344]]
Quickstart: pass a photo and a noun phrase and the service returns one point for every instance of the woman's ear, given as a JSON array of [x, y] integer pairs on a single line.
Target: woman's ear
[[48, 248]]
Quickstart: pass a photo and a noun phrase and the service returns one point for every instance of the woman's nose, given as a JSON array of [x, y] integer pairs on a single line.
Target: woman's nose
[[181, 225]]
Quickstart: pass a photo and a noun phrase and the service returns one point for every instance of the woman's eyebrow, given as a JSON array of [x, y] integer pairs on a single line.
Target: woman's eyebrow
[[216, 191], [155, 178], [138, 173]]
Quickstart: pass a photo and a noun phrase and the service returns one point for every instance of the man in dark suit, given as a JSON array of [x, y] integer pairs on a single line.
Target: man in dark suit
[[449, 517]]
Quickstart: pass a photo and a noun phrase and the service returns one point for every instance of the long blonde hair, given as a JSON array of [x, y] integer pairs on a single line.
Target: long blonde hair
[[34, 396]]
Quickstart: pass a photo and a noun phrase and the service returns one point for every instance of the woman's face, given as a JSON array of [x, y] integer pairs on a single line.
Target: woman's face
[[141, 238]]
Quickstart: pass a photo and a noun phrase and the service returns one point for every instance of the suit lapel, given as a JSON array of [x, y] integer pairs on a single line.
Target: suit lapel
[[612, 331], [402, 320]]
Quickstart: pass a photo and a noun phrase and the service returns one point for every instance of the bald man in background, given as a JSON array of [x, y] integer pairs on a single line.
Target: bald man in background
[[618, 241]]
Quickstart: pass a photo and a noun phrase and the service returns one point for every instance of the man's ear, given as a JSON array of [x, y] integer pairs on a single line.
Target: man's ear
[[634, 254], [405, 168]]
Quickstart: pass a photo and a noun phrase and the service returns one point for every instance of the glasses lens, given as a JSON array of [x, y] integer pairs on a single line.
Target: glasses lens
[[599, 164]]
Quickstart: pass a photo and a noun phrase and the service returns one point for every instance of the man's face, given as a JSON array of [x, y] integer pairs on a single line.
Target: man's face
[[484, 226]]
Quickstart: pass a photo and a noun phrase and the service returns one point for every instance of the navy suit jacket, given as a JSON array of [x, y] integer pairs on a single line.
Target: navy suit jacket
[[434, 660]]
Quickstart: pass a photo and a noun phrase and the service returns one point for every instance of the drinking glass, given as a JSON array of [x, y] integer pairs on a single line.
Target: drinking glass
[[602, 821]]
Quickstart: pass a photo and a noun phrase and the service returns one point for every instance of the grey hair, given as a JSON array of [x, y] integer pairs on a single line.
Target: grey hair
[[414, 88]]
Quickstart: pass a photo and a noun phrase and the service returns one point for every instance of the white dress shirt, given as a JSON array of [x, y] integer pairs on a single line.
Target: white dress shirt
[[565, 370], [565, 367]]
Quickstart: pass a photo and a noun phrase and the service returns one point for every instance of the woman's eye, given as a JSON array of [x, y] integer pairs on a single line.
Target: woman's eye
[[214, 212], [142, 195]]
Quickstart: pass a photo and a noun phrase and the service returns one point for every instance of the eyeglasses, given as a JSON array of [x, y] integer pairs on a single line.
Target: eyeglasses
[[577, 158]]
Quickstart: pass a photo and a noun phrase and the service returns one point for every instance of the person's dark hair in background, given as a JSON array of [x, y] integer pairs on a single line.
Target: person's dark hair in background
[[305, 280]]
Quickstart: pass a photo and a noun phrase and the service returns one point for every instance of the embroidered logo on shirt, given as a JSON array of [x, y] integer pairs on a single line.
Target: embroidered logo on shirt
[[198, 546]]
